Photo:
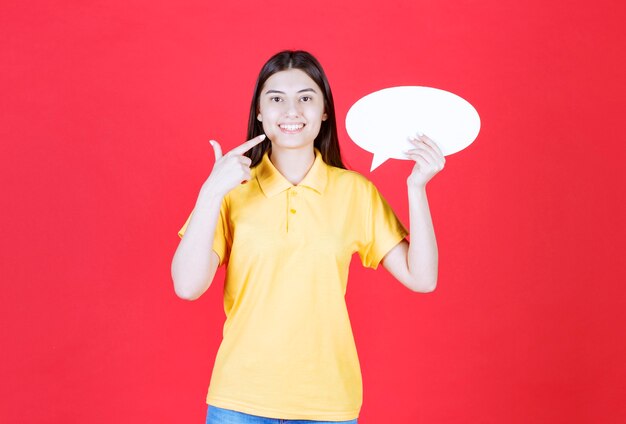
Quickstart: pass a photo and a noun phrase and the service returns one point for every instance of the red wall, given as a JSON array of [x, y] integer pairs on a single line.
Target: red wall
[[106, 111]]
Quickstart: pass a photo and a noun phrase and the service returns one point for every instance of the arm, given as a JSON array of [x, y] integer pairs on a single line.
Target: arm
[[415, 264], [195, 262]]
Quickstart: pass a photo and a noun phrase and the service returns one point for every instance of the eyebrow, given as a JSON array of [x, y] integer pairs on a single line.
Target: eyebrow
[[281, 92]]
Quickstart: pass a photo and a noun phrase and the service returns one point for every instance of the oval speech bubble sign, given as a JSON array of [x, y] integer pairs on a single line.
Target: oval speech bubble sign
[[381, 121]]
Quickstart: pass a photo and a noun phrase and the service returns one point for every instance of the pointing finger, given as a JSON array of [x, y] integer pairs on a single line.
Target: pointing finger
[[243, 148]]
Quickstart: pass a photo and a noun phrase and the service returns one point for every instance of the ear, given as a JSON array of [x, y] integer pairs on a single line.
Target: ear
[[324, 116], [259, 117]]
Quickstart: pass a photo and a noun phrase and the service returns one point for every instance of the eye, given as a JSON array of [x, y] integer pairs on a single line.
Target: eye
[[306, 98], [275, 99]]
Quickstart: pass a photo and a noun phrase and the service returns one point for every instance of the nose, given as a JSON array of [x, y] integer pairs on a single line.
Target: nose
[[292, 109]]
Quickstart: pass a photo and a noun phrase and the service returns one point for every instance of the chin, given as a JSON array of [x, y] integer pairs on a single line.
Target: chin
[[283, 143]]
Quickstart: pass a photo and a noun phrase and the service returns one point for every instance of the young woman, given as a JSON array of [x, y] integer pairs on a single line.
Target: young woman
[[285, 217]]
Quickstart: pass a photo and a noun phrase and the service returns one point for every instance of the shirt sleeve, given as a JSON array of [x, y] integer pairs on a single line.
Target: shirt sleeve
[[221, 239], [383, 230]]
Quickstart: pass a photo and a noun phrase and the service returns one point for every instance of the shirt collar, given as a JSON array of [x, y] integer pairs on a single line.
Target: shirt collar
[[273, 182]]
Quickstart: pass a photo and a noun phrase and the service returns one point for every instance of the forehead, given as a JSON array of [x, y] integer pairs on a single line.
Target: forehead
[[290, 80]]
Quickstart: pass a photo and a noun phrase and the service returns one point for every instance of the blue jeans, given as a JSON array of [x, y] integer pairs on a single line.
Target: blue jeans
[[217, 415]]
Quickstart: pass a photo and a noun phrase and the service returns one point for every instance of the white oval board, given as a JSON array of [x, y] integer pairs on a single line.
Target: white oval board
[[381, 121]]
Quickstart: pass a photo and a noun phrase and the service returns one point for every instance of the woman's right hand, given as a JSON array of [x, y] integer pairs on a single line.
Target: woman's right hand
[[231, 169]]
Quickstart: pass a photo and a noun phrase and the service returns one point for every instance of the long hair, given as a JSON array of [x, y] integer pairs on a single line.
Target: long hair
[[326, 141]]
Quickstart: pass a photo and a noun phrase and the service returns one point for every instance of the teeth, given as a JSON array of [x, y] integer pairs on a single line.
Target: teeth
[[292, 127]]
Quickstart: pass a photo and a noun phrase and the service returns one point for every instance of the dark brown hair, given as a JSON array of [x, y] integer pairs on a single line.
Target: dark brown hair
[[326, 141]]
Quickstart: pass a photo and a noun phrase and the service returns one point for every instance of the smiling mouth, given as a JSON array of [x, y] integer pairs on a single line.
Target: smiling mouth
[[291, 128]]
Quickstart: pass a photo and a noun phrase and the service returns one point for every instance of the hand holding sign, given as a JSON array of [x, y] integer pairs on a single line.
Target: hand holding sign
[[428, 158]]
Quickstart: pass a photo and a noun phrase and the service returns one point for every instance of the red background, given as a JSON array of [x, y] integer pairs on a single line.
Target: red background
[[106, 109]]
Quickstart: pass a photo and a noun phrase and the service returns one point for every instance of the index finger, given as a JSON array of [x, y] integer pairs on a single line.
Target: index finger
[[243, 148]]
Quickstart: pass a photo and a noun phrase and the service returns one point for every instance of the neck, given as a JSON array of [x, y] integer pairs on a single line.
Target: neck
[[293, 164]]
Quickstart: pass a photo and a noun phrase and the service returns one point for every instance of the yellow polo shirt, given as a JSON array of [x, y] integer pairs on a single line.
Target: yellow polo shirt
[[288, 350]]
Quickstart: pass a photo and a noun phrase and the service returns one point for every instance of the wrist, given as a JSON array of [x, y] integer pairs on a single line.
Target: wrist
[[416, 189], [209, 193]]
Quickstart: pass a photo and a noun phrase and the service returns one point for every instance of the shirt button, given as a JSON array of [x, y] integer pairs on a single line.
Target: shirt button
[[292, 211], [294, 193]]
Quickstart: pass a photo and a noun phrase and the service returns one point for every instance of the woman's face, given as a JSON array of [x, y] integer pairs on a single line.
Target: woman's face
[[291, 108]]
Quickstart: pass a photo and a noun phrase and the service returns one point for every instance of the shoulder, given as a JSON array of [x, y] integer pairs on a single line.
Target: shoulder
[[349, 179], [242, 194]]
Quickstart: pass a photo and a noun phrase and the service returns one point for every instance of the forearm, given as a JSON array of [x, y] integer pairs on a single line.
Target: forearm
[[193, 265], [423, 256]]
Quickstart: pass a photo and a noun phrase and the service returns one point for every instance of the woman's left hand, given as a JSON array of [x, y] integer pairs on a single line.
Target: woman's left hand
[[428, 161]]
